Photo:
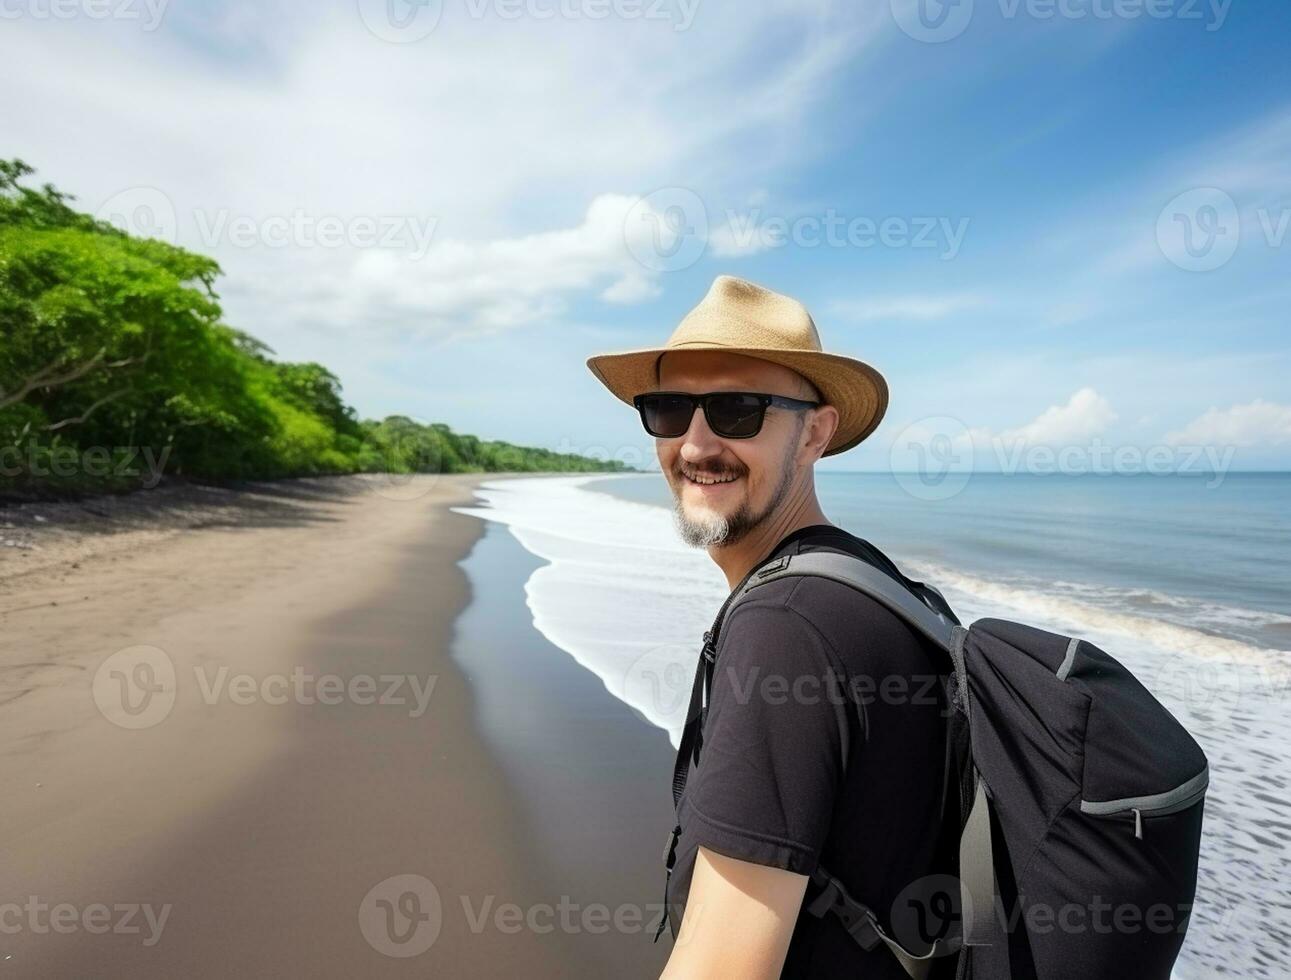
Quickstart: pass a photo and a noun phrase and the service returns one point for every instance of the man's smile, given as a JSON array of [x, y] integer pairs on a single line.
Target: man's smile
[[708, 482]]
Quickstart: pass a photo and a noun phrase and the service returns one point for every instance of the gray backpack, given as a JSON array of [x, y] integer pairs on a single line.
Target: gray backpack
[[1080, 799]]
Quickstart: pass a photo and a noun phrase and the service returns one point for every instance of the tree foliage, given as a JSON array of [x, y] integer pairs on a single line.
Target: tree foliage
[[108, 340]]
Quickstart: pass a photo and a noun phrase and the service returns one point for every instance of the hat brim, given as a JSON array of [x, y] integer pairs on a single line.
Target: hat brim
[[855, 389]]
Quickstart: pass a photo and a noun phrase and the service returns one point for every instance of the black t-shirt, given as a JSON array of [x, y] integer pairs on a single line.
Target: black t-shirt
[[824, 743]]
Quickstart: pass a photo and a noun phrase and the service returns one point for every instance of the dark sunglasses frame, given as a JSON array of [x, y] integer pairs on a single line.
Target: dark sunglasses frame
[[764, 401]]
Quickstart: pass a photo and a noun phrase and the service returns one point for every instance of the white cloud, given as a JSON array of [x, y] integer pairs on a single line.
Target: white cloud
[[743, 234], [1252, 164], [1096, 257], [634, 287], [1259, 423], [494, 127], [1085, 416], [462, 286]]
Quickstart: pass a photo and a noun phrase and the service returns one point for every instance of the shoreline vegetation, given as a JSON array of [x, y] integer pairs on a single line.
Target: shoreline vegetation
[[117, 371]]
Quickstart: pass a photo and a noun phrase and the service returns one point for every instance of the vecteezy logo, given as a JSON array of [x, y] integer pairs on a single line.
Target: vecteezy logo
[[659, 679], [932, 458], [1200, 229], [932, 21], [135, 687], [401, 21], [667, 230], [141, 211], [928, 911], [1201, 691], [402, 916]]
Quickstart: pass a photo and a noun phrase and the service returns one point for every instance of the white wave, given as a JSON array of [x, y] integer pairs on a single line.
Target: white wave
[[1190, 609], [629, 601], [622, 594], [976, 597]]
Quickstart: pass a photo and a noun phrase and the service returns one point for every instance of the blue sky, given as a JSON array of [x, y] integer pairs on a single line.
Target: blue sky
[[1087, 203]]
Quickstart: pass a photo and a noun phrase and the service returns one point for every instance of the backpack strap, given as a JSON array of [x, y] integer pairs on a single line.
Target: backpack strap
[[863, 926], [692, 732], [925, 609], [979, 891], [688, 752], [916, 609]]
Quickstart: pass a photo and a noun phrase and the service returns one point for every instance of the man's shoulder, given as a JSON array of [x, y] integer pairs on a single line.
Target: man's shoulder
[[830, 537], [797, 591], [853, 624]]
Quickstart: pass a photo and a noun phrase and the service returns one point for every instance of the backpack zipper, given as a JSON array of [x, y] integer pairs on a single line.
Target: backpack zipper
[[1181, 797]]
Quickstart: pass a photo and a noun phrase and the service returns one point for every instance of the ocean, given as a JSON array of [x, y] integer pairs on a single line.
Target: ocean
[[1185, 579]]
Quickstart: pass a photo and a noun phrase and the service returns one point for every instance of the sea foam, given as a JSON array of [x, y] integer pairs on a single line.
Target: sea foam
[[623, 596]]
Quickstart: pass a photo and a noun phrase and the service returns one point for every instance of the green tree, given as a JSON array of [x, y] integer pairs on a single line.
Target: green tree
[[107, 340]]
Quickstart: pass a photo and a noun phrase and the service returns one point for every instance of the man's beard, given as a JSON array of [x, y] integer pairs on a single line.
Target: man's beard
[[712, 529]]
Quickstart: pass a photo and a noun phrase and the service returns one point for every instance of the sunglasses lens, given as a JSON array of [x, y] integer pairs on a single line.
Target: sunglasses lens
[[735, 416], [666, 416]]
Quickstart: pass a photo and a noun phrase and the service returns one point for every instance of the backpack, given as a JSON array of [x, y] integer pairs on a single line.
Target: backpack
[[1080, 800]]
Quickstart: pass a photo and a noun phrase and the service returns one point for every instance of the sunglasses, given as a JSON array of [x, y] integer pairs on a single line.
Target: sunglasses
[[730, 414]]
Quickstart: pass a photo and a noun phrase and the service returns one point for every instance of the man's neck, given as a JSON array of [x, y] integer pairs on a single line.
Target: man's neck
[[738, 559]]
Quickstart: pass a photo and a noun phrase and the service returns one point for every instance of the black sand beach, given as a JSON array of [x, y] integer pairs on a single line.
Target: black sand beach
[[271, 836], [593, 776]]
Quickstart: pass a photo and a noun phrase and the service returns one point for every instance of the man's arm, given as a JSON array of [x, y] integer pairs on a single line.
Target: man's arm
[[738, 922], [761, 801]]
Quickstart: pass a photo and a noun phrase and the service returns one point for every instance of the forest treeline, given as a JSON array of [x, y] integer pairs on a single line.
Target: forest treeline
[[114, 352]]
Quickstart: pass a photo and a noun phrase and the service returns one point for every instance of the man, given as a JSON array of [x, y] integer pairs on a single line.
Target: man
[[808, 756]]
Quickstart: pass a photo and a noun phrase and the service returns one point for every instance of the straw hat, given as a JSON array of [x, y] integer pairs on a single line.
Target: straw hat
[[740, 317]]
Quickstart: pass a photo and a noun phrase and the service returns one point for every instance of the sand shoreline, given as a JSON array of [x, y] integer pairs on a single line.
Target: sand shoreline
[[55, 535], [266, 820]]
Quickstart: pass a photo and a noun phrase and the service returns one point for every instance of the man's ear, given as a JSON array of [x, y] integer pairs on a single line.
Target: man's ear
[[817, 431]]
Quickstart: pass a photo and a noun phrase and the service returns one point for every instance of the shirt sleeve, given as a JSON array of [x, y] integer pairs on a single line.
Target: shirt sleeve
[[775, 741]]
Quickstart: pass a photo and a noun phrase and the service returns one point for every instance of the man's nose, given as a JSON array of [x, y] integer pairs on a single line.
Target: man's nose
[[699, 442]]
